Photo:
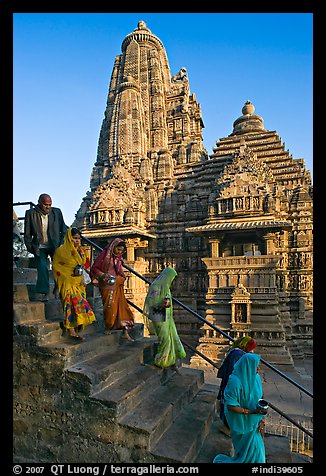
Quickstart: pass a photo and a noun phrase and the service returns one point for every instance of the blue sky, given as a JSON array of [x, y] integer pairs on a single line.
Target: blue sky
[[62, 69]]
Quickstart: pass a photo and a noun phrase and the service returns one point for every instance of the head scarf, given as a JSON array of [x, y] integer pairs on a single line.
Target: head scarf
[[65, 259], [244, 389], [245, 369], [107, 256], [159, 289], [246, 343]]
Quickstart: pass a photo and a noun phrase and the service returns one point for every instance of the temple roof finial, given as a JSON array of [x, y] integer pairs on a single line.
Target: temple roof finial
[[142, 25], [248, 108]]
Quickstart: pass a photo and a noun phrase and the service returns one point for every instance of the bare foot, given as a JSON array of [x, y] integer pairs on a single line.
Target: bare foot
[[125, 335], [74, 335], [175, 368]]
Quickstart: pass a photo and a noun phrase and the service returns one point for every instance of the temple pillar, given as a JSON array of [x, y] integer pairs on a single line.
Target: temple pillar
[[270, 247], [215, 247]]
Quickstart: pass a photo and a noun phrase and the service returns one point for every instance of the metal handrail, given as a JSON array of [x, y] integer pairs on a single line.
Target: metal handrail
[[31, 204], [16, 204], [302, 428], [184, 306], [277, 410]]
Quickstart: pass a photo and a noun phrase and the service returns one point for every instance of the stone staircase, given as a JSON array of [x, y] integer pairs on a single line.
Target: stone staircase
[[103, 400]]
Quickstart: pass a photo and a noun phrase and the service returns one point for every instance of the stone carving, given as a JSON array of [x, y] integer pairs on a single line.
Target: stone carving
[[180, 76], [114, 199], [239, 217]]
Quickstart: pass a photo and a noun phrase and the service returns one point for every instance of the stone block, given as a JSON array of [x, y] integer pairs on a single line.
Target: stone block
[[20, 293], [24, 275], [32, 311]]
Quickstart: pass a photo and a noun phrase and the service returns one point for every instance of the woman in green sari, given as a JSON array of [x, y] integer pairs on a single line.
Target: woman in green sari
[[159, 310]]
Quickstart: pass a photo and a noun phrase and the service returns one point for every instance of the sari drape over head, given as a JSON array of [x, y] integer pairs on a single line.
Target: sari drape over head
[[107, 262], [116, 310], [244, 389], [170, 347], [72, 291], [237, 350]]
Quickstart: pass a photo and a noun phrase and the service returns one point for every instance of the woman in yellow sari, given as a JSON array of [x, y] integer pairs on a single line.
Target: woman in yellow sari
[[78, 312]]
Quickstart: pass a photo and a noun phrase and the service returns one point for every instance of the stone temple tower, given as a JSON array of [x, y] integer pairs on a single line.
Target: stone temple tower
[[151, 120], [152, 123], [236, 225]]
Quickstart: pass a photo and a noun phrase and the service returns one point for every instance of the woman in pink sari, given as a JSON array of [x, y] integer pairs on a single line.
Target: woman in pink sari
[[117, 313]]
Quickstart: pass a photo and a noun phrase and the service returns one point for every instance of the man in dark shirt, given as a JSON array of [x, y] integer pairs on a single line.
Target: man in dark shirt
[[44, 230]]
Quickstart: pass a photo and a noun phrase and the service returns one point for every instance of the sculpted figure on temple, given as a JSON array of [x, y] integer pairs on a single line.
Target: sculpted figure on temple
[[181, 76]]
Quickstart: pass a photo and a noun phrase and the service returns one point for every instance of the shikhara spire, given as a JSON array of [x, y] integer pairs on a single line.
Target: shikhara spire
[[241, 217]]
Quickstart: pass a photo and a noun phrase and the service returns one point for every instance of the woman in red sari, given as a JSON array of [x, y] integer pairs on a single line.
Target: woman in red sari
[[117, 313]]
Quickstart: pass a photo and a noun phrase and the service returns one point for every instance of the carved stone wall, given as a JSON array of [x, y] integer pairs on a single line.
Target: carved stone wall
[[239, 217]]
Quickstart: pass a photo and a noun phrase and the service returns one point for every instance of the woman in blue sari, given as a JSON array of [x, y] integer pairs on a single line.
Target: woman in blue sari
[[241, 395], [238, 348]]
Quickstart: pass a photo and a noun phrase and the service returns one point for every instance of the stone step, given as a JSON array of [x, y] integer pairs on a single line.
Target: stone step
[[28, 312], [280, 363], [28, 276], [215, 442], [160, 407], [94, 327], [53, 309], [274, 349], [20, 293], [54, 313], [32, 293], [76, 352], [261, 327], [24, 292], [38, 332], [108, 367], [46, 332], [275, 357], [277, 448], [299, 458], [24, 275], [183, 439], [62, 336], [272, 352], [124, 395], [26, 262]]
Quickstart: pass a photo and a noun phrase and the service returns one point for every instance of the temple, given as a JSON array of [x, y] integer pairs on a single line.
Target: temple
[[237, 225]]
